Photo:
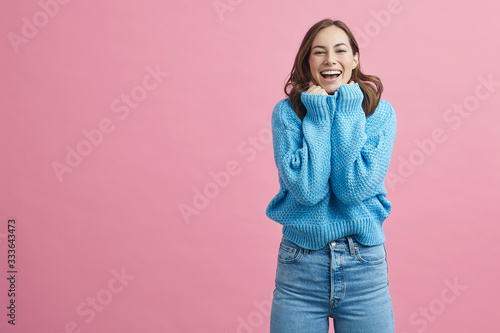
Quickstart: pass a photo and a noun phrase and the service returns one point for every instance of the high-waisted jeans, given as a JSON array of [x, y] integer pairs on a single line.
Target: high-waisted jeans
[[344, 280]]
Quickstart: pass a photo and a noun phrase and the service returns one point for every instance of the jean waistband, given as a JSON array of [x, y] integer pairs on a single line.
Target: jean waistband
[[342, 240], [347, 241]]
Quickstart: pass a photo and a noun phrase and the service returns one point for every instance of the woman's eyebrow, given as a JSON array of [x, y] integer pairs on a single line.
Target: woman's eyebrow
[[333, 45]]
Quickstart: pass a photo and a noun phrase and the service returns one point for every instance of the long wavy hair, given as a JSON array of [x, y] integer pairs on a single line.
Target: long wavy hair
[[300, 75]]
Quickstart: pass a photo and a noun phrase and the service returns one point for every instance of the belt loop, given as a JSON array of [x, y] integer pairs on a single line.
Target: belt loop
[[351, 245], [306, 251]]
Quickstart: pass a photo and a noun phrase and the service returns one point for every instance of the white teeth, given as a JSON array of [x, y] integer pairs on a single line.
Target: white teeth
[[330, 72]]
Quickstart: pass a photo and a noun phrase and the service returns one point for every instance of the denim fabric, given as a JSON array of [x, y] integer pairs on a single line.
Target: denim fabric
[[344, 280]]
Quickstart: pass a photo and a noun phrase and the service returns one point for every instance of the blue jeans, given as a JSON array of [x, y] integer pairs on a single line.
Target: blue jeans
[[344, 280]]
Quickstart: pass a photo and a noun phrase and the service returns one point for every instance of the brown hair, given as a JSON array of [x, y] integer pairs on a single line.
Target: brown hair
[[300, 75]]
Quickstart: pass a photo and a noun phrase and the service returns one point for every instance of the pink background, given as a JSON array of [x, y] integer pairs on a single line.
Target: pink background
[[118, 212]]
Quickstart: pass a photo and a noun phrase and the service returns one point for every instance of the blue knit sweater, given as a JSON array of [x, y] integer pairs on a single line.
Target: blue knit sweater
[[331, 168]]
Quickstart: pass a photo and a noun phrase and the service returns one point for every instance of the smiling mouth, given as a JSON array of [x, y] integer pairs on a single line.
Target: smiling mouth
[[331, 78], [330, 75]]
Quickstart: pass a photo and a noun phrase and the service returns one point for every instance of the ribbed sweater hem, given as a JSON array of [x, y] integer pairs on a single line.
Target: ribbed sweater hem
[[317, 236]]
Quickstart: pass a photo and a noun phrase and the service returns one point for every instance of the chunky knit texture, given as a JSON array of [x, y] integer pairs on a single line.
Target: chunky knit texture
[[331, 168]]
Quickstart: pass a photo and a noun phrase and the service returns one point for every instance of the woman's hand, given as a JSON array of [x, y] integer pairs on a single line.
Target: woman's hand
[[314, 89]]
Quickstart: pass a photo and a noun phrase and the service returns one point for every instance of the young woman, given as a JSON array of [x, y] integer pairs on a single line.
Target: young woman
[[333, 138]]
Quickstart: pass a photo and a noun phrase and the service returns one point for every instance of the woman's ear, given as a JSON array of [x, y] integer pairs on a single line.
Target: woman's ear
[[355, 61]]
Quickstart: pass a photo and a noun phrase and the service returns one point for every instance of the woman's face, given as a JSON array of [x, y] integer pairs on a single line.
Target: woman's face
[[331, 50]]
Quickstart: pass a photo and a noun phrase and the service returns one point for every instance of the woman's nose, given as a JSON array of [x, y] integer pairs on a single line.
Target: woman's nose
[[331, 59]]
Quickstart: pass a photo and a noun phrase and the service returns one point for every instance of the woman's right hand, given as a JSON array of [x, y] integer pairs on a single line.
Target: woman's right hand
[[314, 89]]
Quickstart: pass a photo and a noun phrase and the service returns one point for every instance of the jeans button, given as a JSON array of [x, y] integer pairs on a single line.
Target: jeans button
[[333, 243]]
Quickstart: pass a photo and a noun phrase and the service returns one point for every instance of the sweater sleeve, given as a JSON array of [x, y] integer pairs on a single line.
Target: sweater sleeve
[[302, 149], [360, 155]]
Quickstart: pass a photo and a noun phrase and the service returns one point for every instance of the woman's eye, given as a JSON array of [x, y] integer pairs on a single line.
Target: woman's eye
[[320, 52]]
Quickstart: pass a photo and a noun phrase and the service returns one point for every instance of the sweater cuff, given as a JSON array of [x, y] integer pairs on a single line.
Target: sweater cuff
[[350, 91], [349, 96], [316, 106]]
